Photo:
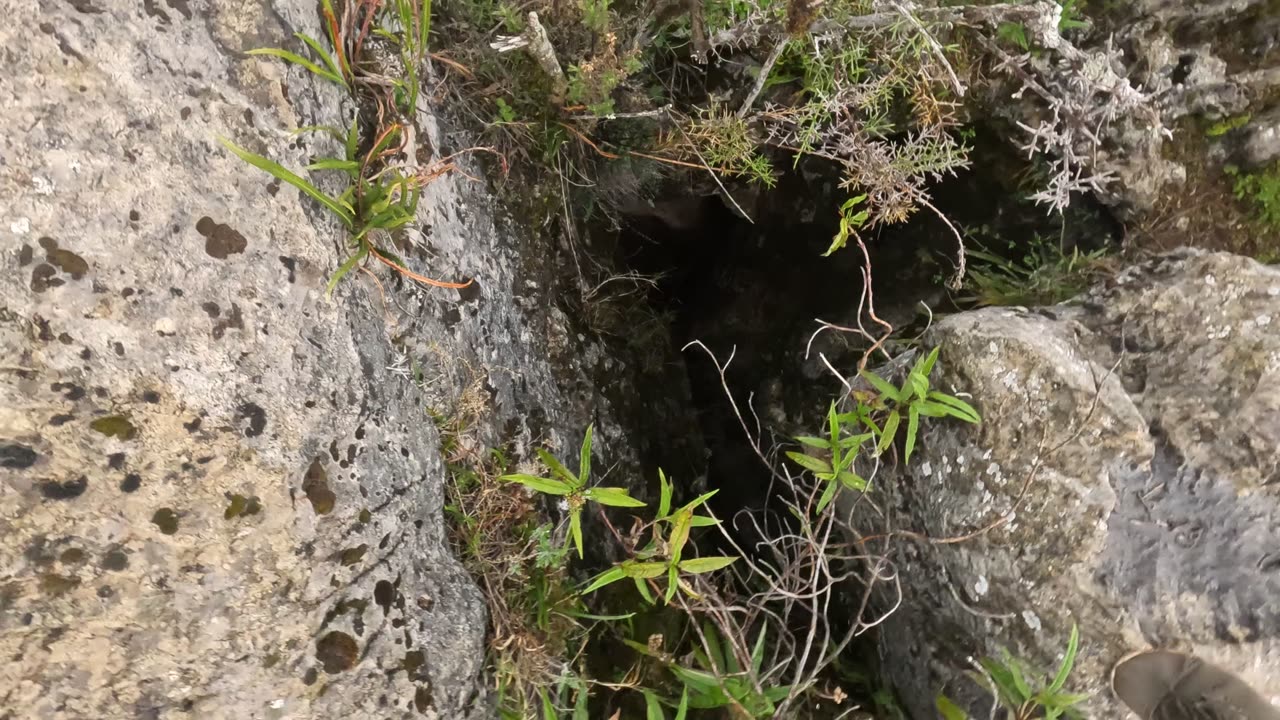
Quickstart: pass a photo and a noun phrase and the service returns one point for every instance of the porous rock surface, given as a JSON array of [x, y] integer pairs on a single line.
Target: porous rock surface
[[1147, 417], [220, 492]]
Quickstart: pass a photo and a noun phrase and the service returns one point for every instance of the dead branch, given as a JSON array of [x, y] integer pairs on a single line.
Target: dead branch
[[538, 45]]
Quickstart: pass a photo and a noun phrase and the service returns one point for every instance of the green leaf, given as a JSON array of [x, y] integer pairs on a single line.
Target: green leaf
[[424, 26], [757, 652], [1019, 681], [584, 457], [718, 660], [353, 138], [664, 495], [965, 412], [599, 618], [299, 60], [652, 708], [926, 367], [833, 426], [551, 462], [334, 164], [774, 694], [880, 384], [814, 442], [1068, 660], [855, 441], [323, 55], [913, 426], [809, 462], [548, 710], [932, 409], [703, 521], [853, 481], [698, 680], [612, 575], [575, 528], [279, 172], [643, 571], [919, 385], [890, 430], [680, 533], [643, 588], [612, 496], [333, 131], [698, 501], [698, 566], [673, 582], [580, 704], [828, 495], [541, 484], [347, 266], [683, 709], [949, 710]]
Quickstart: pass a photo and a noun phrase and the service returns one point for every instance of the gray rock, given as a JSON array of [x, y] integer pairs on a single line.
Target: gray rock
[[211, 501], [1258, 142], [221, 492], [1143, 422]]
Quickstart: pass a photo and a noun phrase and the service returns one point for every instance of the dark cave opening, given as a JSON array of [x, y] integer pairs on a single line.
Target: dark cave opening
[[754, 289]]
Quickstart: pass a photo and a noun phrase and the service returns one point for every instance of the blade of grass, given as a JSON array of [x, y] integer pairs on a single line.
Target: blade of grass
[[325, 56], [278, 171], [345, 268], [298, 60]]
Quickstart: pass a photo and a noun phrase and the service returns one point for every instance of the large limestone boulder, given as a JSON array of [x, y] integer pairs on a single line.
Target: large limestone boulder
[[1126, 478], [221, 492], [215, 500]]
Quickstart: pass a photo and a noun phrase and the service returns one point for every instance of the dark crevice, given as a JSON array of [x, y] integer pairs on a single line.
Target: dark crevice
[[754, 290]]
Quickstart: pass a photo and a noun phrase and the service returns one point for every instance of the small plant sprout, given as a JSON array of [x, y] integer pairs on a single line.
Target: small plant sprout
[[381, 200], [573, 487], [851, 221], [915, 399], [837, 471], [1022, 693], [665, 555]]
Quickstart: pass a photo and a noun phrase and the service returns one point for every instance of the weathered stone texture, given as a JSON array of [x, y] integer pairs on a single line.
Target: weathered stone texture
[[1149, 412]]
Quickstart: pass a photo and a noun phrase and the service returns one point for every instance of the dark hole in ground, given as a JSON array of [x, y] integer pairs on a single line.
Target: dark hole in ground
[[754, 290]]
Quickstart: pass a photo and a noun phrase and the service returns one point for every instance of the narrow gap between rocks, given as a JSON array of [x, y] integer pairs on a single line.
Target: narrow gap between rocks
[[753, 291]]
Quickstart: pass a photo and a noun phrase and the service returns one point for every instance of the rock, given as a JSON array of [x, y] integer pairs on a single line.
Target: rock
[[220, 491], [1142, 421], [1259, 142], [173, 380]]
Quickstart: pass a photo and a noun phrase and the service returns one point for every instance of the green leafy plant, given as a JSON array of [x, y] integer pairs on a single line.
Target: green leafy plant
[[836, 470], [381, 196], [715, 679], [664, 554], [1022, 693], [374, 200], [414, 19], [573, 487], [1014, 33], [851, 221], [1262, 190], [595, 15], [506, 113], [915, 399], [1072, 17], [1044, 274], [1226, 125]]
